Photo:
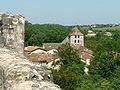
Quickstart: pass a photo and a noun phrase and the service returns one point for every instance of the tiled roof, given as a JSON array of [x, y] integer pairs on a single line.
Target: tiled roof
[[86, 55], [32, 48], [50, 46], [34, 57], [80, 48], [75, 31]]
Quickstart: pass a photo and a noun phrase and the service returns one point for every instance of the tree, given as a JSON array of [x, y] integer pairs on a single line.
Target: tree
[[68, 54], [71, 71]]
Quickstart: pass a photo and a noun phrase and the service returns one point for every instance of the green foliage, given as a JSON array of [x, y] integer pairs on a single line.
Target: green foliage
[[36, 34], [72, 69], [104, 71], [68, 54], [66, 79], [103, 65]]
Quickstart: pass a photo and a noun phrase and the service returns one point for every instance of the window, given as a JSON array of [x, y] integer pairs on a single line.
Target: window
[[75, 36], [78, 41], [78, 36], [75, 41]]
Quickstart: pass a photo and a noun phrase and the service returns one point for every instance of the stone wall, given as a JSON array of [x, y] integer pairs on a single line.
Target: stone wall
[[16, 71], [12, 31]]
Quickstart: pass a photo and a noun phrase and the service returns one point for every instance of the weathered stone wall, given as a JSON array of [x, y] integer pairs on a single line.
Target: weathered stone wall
[[16, 71], [12, 31]]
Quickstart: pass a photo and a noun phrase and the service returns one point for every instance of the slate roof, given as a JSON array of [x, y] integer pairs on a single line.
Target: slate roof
[[75, 31]]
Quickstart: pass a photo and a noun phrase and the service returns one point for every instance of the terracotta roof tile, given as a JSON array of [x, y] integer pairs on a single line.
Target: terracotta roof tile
[[50, 46], [32, 48], [75, 31], [40, 57], [86, 55]]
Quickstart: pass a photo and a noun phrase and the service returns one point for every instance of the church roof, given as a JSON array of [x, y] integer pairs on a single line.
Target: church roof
[[75, 31]]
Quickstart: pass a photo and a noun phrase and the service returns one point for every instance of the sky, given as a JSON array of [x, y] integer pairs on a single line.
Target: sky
[[65, 12]]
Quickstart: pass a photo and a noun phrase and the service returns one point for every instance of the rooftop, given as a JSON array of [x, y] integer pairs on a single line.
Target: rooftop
[[32, 48], [34, 57], [75, 31], [50, 46]]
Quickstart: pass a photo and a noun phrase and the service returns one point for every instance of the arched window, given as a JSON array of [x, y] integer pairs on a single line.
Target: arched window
[[78, 41]]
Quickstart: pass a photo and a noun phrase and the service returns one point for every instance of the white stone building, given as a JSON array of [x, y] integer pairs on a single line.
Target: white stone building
[[75, 37]]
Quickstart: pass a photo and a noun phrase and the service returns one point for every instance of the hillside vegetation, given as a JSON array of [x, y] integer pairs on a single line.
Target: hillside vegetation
[[36, 34]]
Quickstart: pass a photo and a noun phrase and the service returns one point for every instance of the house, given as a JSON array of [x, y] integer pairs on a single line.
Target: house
[[91, 33], [34, 49], [40, 59], [85, 54], [41, 55], [75, 37], [51, 48]]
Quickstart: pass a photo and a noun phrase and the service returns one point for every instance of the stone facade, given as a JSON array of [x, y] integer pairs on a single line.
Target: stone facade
[[75, 37], [16, 71], [12, 31]]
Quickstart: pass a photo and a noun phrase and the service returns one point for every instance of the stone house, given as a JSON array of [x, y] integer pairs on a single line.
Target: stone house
[[34, 49], [51, 48], [40, 55], [75, 37], [40, 59]]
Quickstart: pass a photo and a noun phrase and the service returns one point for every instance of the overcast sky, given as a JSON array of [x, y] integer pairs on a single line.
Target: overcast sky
[[66, 12]]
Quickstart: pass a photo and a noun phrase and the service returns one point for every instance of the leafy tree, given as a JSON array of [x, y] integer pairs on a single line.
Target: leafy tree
[[68, 54], [72, 69]]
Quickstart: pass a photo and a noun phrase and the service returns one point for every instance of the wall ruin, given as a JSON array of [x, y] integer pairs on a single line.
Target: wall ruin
[[12, 31]]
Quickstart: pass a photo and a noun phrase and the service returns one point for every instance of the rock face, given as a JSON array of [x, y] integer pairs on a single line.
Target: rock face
[[16, 71]]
